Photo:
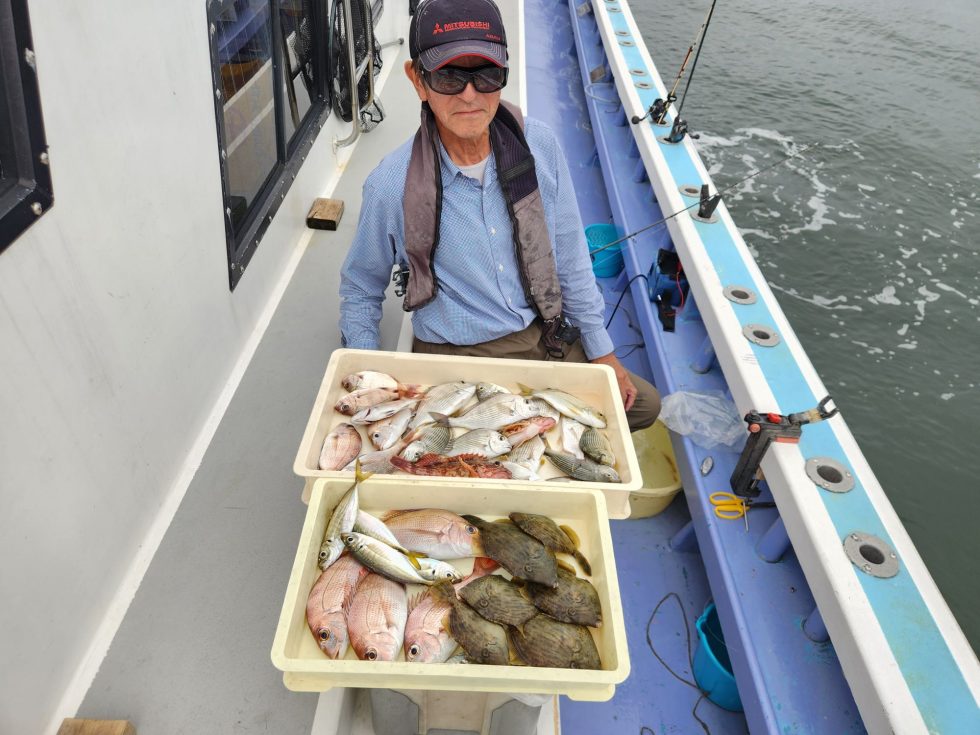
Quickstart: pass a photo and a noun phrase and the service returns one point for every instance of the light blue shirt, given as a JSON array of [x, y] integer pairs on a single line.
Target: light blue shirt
[[480, 295]]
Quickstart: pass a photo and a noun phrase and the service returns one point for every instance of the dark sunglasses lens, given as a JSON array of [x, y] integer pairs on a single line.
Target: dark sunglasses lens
[[452, 80], [490, 79]]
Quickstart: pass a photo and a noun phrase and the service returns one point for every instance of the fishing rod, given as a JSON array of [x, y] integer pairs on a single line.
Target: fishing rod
[[706, 204], [658, 110]]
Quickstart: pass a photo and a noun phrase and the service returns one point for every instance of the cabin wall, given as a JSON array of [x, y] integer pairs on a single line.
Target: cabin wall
[[119, 337]]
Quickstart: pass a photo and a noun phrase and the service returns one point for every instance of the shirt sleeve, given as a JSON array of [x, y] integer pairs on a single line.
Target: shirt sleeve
[[581, 299], [364, 275]]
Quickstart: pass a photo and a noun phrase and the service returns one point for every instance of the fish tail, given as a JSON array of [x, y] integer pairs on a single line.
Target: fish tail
[[440, 418], [562, 564], [360, 476], [572, 536], [525, 390], [583, 562], [414, 559], [443, 591]]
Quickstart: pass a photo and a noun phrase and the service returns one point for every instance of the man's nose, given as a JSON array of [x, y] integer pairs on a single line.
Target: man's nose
[[469, 92]]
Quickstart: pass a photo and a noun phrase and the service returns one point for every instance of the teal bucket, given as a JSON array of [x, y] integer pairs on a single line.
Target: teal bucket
[[712, 666], [609, 262]]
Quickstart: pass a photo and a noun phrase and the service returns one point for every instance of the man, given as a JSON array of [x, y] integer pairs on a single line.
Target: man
[[446, 210]]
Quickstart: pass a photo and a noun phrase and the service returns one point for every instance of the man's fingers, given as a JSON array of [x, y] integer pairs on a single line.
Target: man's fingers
[[630, 398]]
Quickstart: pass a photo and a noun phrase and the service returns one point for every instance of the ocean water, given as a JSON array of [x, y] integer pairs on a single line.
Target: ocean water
[[871, 240]]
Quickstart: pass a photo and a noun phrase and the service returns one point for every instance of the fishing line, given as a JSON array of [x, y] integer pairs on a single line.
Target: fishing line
[[717, 194], [694, 66]]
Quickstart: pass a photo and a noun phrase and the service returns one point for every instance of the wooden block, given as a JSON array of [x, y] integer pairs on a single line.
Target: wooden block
[[325, 214], [72, 726]]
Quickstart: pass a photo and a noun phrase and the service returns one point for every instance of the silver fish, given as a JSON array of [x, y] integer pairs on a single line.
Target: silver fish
[[436, 570], [528, 453], [569, 405], [341, 522], [340, 447], [485, 442], [571, 436], [375, 528], [446, 398], [382, 411], [381, 558], [380, 461], [485, 390], [582, 469], [544, 408], [596, 446], [495, 412], [386, 432], [519, 471], [429, 439]]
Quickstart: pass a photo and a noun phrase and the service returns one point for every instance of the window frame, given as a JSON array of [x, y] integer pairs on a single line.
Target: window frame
[[290, 155], [27, 195]]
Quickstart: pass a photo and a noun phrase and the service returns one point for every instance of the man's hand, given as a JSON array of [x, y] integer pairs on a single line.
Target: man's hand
[[626, 388]]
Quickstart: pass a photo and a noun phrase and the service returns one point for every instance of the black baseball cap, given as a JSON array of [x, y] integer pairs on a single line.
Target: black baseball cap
[[444, 30]]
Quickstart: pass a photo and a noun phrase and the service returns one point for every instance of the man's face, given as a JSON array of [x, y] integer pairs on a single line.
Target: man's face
[[466, 115]]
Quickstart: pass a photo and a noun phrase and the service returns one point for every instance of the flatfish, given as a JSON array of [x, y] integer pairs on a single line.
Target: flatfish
[[544, 641]]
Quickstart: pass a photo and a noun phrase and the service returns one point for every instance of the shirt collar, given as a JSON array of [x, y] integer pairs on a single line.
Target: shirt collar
[[450, 170]]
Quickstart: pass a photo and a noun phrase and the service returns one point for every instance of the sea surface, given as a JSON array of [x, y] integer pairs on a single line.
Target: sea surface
[[871, 240]]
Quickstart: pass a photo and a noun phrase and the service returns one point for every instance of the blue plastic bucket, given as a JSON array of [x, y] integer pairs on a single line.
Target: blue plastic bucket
[[712, 666], [609, 262]]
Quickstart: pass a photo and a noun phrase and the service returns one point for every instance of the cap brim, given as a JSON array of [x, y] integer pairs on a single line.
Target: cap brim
[[438, 56]]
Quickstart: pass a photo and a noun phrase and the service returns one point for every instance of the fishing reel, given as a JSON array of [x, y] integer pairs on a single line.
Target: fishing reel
[[678, 131], [657, 111]]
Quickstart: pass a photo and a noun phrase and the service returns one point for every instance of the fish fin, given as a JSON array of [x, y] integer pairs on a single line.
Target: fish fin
[[572, 536], [474, 520], [525, 390], [360, 476], [440, 418], [508, 521], [443, 592], [391, 514], [583, 562], [512, 658], [562, 564], [410, 390], [414, 559]]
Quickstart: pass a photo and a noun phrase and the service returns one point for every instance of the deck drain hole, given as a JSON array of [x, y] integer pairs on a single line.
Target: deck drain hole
[[626, 43], [761, 335], [638, 72], [690, 190], [871, 554], [643, 85], [739, 294], [829, 474]]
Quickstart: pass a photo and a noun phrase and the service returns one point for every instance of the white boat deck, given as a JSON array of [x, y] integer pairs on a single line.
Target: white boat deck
[[192, 654]]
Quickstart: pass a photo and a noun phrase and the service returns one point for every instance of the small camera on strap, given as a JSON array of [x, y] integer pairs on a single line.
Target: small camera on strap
[[558, 332]]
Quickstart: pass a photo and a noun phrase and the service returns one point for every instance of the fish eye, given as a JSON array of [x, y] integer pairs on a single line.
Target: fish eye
[[324, 634], [323, 554], [470, 529], [371, 654], [414, 650]]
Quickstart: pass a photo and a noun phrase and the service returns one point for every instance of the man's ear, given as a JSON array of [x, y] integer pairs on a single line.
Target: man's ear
[[420, 89]]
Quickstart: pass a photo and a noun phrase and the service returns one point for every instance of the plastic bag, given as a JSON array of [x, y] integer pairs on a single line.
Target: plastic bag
[[708, 419]]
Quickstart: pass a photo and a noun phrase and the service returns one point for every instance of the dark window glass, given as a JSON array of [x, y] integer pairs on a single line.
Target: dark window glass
[[267, 58], [25, 180]]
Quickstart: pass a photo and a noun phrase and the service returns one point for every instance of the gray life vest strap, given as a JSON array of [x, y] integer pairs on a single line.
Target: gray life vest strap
[[422, 207]]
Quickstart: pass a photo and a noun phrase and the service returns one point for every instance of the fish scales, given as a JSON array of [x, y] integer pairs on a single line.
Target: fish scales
[[499, 601], [377, 617], [544, 641], [486, 390], [340, 447], [521, 555], [439, 534], [429, 439], [596, 446], [574, 600], [446, 399], [582, 469], [493, 413], [529, 451], [486, 442]]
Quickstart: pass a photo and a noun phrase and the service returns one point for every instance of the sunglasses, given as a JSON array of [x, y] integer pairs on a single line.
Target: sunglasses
[[453, 79]]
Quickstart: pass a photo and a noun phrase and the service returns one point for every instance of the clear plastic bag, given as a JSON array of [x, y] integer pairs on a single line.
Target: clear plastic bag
[[709, 419]]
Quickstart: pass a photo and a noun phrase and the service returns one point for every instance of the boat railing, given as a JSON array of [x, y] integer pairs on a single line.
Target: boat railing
[[357, 72]]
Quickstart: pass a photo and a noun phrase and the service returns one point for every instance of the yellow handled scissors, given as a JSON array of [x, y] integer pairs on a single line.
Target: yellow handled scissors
[[731, 507]]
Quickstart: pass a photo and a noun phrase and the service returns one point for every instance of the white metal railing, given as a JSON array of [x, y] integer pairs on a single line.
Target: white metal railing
[[357, 71]]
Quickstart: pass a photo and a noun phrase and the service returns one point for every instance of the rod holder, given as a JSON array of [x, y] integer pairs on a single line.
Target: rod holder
[[774, 543]]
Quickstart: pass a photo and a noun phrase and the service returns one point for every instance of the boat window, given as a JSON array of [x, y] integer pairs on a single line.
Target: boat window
[[267, 59], [25, 178]]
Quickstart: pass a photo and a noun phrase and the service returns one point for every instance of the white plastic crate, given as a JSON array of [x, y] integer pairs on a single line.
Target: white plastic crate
[[595, 384], [305, 668]]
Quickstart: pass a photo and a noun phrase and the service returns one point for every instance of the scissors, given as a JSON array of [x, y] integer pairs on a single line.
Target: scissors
[[731, 507]]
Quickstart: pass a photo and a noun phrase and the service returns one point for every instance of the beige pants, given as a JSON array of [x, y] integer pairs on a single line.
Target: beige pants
[[526, 345]]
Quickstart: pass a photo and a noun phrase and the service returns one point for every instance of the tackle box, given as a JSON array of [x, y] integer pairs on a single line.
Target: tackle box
[[305, 668], [594, 384]]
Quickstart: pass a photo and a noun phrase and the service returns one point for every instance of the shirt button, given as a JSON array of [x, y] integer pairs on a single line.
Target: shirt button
[[500, 268], [493, 230]]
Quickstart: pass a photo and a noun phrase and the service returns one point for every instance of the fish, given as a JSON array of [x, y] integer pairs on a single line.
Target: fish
[[498, 600], [446, 398], [485, 390], [372, 379], [436, 570], [524, 430], [571, 436], [340, 447], [596, 447], [521, 555], [518, 471], [582, 469], [341, 521], [429, 439], [544, 408], [574, 600], [351, 403], [327, 604], [528, 453], [487, 443], [439, 534], [427, 639], [382, 411], [547, 642], [483, 641], [463, 465], [553, 536], [379, 462], [568, 405], [370, 526], [495, 412], [386, 432], [382, 559], [376, 618]]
